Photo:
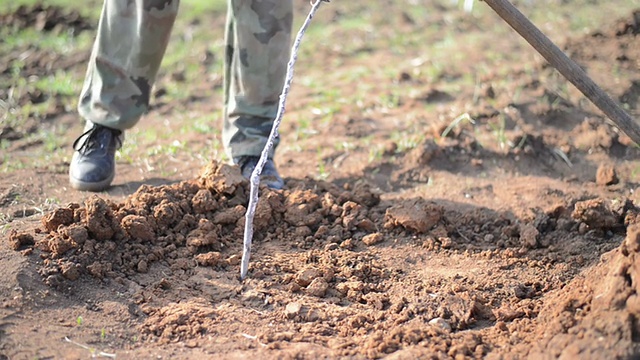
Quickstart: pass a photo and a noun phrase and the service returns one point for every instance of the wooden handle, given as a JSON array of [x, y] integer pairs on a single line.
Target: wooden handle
[[567, 67]]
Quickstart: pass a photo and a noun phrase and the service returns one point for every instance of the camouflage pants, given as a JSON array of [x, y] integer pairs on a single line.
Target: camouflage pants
[[132, 39]]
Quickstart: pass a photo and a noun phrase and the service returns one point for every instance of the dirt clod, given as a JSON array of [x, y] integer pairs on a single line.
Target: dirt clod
[[318, 287], [137, 227], [18, 240], [99, 219], [53, 220], [417, 215], [209, 259], [70, 271], [596, 214], [306, 276], [606, 175], [373, 239]]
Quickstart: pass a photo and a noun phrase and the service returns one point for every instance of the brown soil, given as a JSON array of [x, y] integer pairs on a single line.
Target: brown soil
[[458, 247]]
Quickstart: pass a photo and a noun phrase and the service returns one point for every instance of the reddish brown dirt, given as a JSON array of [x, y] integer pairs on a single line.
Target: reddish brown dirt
[[455, 248]]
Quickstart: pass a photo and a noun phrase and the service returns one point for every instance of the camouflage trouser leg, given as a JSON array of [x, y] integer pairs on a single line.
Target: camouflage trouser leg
[[132, 38], [258, 39]]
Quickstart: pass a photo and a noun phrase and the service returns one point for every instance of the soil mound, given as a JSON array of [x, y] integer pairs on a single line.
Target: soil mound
[[597, 315], [196, 223]]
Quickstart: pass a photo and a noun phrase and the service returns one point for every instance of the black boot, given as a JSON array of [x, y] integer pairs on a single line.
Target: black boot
[[269, 175], [93, 164]]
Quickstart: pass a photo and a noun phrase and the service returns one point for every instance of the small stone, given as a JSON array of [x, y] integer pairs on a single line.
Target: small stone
[[192, 344], [143, 267], [522, 291], [293, 287], [302, 231], [292, 310], [323, 230], [529, 236], [347, 244], [416, 215], [138, 227], [234, 260], [306, 276], [366, 225], [598, 213], [583, 228], [312, 315], [318, 287], [441, 323], [330, 247], [565, 224], [502, 326], [70, 271], [373, 239], [76, 232], [446, 242]]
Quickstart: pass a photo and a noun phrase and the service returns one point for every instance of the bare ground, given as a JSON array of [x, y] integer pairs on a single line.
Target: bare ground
[[514, 237]]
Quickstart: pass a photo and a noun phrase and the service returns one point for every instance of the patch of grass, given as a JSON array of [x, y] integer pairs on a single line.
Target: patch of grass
[[170, 149], [407, 139], [303, 129], [195, 8], [456, 122], [498, 129], [32, 39], [5, 223], [375, 153], [9, 164], [133, 142], [48, 205], [61, 83], [323, 173], [201, 125]]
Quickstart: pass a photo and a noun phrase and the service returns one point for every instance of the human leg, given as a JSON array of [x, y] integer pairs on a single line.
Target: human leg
[[258, 42], [131, 40]]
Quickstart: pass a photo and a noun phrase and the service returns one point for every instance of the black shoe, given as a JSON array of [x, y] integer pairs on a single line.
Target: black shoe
[[93, 164], [269, 175]]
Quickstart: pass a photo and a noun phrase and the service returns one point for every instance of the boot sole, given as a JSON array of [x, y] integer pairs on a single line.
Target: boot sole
[[91, 186]]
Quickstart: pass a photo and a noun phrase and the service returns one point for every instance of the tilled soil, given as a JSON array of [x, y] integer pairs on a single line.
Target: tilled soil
[[356, 277], [450, 249]]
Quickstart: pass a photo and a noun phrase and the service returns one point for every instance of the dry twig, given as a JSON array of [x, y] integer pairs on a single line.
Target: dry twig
[[255, 176]]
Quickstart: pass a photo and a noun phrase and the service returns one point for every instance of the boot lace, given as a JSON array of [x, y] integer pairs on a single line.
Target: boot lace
[[89, 140]]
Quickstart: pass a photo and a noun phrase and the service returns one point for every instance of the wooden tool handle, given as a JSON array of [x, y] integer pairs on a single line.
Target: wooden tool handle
[[567, 67]]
